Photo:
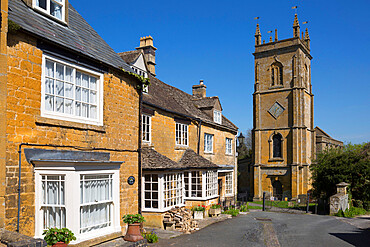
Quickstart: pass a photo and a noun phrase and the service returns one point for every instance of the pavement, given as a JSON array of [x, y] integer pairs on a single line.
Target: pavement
[[279, 229]]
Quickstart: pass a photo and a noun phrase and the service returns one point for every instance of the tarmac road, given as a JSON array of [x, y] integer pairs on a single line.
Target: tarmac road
[[279, 229]]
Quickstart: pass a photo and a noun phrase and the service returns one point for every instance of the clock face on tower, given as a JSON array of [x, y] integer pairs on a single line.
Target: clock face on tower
[[276, 110]]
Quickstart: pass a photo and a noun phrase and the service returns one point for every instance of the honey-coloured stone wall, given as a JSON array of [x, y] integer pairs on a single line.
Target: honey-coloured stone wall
[[25, 125]]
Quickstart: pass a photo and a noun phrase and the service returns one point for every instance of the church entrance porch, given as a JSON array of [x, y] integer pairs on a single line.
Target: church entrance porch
[[277, 190]]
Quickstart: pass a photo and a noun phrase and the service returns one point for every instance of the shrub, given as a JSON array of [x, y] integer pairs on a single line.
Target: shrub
[[54, 235], [351, 212], [232, 212], [133, 218], [243, 208], [199, 208], [151, 237]]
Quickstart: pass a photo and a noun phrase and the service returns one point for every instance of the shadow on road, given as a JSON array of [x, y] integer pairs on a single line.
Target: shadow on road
[[357, 238]]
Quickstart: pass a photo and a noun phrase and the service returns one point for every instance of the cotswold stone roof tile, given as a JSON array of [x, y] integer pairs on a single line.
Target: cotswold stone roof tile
[[193, 160], [130, 56], [173, 99], [152, 160], [78, 36]]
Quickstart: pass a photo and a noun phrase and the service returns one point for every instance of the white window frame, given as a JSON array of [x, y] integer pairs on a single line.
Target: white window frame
[[209, 185], [217, 116], [72, 175], [67, 117], [47, 11], [179, 198], [143, 129], [229, 178], [182, 134], [208, 143], [229, 146]]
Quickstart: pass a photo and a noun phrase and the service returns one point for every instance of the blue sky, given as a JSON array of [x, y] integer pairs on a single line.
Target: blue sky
[[214, 41]]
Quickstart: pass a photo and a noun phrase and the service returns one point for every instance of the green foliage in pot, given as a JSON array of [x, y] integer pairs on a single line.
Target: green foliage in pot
[[54, 235], [215, 206], [199, 208], [133, 218], [151, 237]]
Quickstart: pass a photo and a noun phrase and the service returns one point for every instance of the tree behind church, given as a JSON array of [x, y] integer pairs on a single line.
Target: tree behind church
[[350, 164]]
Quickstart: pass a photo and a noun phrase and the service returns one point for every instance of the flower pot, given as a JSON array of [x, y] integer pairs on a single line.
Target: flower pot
[[60, 244], [214, 212], [198, 215], [133, 233]]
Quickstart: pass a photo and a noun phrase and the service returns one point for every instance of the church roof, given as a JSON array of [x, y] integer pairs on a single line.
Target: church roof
[[77, 36]]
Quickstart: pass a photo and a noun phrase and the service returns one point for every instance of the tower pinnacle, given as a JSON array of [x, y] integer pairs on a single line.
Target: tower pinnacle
[[296, 26], [258, 35]]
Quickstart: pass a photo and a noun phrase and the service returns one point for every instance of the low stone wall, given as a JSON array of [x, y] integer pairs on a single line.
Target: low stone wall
[[15, 239]]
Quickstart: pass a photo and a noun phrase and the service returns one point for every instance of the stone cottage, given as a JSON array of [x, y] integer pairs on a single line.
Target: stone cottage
[[189, 155], [69, 125]]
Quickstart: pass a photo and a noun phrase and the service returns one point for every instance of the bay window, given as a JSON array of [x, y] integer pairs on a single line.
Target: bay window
[[83, 200], [70, 92], [162, 191], [200, 184], [181, 134], [229, 183]]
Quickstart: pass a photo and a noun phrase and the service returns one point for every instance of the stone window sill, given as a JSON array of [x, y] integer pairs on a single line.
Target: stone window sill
[[179, 147], [67, 124], [276, 160]]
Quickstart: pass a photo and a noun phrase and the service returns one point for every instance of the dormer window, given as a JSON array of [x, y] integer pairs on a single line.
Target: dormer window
[[55, 8], [217, 116]]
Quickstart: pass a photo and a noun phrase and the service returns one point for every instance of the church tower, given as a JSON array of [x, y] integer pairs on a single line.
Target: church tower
[[283, 130]]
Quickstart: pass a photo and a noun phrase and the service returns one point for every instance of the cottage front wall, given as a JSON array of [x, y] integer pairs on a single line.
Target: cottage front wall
[[25, 125]]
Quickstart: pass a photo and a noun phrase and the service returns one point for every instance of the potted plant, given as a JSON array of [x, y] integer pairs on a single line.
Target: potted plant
[[133, 233], [58, 237], [198, 212], [215, 210]]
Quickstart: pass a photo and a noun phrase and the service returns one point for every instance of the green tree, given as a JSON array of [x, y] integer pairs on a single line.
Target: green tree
[[350, 164]]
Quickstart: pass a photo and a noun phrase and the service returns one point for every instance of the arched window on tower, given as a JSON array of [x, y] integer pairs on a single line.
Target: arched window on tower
[[276, 143], [276, 74]]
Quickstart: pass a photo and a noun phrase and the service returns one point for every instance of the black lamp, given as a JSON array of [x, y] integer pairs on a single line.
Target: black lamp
[[241, 139]]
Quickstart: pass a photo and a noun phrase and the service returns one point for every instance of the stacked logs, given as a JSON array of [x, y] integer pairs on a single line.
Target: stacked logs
[[180, 219]]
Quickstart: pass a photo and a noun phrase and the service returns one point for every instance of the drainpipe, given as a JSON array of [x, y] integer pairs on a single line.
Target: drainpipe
[[139, 152], [19, 183], [199, 133]]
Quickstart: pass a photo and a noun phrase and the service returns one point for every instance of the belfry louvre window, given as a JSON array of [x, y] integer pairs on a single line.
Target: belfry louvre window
[[96, 202], [276, 74], [277, 141], [71, 92], [182, 134], [55, 8], [146, 127], [53, 201]]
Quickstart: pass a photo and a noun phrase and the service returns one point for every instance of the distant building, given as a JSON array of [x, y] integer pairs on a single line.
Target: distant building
[[325, 141]]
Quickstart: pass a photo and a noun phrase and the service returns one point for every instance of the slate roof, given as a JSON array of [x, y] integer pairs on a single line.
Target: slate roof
[[78, 36], [205, 102], [152, 160], [173, 99], [191, 159], [130, 56]]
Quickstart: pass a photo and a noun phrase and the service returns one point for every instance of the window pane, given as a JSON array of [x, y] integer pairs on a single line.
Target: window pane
[[49, 86], [59, 87], [49, 103], [85, 95], [59, 104], [92, 83], [49, 69], [93, 97], [68, 90], [41, 3], [68, 106], [85, 80], [56, 10], [93, 113], [78, 93], [59, 71], [78, 108]]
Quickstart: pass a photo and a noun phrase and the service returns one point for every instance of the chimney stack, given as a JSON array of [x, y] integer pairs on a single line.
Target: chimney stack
[[199, 90], [148, 49]]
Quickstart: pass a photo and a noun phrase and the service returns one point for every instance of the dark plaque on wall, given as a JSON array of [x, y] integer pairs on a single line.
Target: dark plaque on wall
[[131, 180]]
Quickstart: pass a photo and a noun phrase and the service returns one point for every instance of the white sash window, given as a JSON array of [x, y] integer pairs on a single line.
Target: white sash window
[[54, 8]]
